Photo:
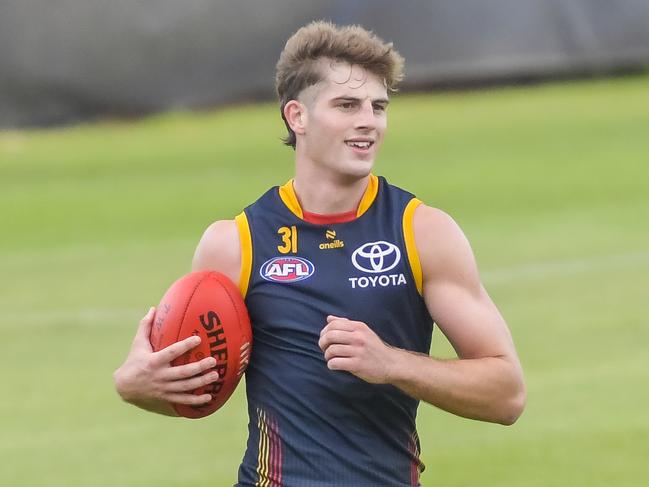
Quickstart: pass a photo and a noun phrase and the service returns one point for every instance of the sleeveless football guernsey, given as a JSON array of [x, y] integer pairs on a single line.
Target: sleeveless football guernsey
[[310, 426]]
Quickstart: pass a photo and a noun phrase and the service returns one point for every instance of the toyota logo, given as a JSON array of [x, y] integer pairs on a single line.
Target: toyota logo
[[376, 257]]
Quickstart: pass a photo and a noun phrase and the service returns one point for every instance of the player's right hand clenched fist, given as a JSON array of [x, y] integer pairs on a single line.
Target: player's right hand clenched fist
[[147, 379]]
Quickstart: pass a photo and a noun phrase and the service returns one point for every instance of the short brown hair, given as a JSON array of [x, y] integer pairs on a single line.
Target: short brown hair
[[298, 68]]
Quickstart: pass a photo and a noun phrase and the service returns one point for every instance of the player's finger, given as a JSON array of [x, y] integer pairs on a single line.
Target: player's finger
[[242, 368], [193, 383], [341, 363], [175, 350], [338, 324], [338, 351], [331, 318], [245, 359], [332, 336], [180, 372], [187, 399]]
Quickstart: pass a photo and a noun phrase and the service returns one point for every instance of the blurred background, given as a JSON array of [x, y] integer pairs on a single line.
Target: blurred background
[[126, 128], [66, 60]]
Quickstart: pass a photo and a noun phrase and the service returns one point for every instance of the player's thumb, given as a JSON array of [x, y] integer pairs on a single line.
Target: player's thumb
[[144, 329]]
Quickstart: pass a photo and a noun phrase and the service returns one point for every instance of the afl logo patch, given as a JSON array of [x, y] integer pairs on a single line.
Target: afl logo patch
[[286, 269], [375, 257]]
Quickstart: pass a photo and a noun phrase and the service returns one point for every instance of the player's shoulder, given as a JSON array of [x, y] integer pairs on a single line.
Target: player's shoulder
[[441, 243], [219, 249], [222, 234], [431, 222]]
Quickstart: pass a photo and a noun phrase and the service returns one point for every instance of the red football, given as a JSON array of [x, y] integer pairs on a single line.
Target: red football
[[207, 304]]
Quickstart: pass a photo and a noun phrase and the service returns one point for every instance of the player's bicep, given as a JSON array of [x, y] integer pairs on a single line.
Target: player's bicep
[[219, 250], [452, 290], [470, 321]]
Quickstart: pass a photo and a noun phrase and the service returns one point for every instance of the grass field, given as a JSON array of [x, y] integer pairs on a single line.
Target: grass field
[[550, 183]]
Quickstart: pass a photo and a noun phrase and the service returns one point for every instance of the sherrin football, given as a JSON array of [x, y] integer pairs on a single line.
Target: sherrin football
[[207, 304]]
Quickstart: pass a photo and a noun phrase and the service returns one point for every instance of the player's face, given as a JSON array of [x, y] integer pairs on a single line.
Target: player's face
[[346, 120]]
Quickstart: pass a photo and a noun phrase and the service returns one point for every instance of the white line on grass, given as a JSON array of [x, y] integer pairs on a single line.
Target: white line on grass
[[563, 268], [503, 275], [74, 317], [17, 259]]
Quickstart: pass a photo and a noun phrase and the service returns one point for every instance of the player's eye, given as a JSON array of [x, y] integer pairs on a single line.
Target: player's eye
[[379, 108], [347, 105]]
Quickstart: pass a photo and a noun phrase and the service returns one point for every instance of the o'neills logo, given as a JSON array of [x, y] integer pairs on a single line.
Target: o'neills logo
[[218, 348], [332, 242], [287, 269], [336, 244]]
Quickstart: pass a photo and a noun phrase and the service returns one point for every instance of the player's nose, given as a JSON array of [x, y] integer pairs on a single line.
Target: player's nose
[[366, 119]]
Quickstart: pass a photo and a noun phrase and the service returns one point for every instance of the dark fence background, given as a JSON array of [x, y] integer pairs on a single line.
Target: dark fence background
[[68, 60]]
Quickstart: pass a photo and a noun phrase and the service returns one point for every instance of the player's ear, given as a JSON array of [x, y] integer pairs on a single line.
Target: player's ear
[[296, 117]]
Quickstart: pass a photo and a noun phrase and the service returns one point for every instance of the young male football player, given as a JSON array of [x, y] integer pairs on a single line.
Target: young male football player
[[343, 275]]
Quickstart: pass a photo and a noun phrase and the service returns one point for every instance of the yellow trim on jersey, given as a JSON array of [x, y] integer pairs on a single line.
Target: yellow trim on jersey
[[245, 241], [369, 196], [287, 193], [409, 237], [263, 450], [288, 196]]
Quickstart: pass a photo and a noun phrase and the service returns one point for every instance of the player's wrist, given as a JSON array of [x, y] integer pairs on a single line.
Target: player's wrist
[[126, 389], [394, 364], [154, 406]]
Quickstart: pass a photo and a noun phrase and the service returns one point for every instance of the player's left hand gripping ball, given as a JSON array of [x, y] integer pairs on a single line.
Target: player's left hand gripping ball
[[207, 304]]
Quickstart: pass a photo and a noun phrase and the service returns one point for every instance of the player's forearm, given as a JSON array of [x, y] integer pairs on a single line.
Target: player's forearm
[[488, 389], [158, 407]]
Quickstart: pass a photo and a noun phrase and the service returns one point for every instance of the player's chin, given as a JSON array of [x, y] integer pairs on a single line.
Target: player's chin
[[358, 168]]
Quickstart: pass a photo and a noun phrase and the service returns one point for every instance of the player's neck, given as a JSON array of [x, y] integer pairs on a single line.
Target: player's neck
[[327, 194]]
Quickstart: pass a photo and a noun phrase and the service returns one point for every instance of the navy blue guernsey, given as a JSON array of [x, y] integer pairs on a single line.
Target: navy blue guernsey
[[310, 426]]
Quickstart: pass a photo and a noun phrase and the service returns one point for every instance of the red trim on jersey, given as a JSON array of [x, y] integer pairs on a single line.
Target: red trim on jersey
[[276, 455], [414, 474], [318, 219], [415, 462]]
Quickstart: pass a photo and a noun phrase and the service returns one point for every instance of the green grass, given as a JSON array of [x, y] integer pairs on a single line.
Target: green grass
[[550, 183]]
